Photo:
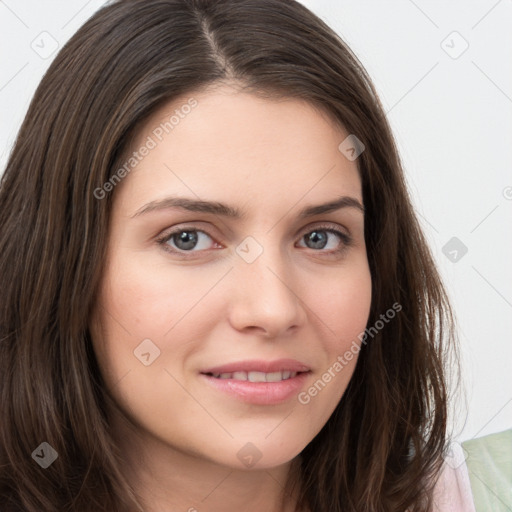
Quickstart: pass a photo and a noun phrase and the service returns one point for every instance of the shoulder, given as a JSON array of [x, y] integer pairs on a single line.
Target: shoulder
[[452, 492]]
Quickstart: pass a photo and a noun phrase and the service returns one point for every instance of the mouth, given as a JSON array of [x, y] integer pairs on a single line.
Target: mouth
[[258, 382], [256, 368], [255, 376]]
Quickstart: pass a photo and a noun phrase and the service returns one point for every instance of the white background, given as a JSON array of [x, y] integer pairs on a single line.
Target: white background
[[451, 115]]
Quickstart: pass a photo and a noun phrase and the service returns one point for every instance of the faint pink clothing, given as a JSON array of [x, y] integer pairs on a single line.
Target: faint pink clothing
[[453, 489]]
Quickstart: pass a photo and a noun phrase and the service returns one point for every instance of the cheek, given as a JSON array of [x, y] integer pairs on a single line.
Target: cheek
[[151, 300], [140, 302], [343, 310], [152, 315], [343, 304]]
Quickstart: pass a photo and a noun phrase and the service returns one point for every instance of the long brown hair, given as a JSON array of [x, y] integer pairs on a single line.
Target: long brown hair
[[382, 447]]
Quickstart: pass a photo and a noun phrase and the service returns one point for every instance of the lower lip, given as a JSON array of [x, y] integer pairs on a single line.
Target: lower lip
[[259, 393]]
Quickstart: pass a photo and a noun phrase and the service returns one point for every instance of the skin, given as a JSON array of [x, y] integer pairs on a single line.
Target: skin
[[270, 159]]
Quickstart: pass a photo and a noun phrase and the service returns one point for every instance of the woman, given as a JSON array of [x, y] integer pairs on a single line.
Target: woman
[[216, 292]]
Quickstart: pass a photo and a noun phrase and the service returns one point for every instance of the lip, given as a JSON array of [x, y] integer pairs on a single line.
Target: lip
[[279, 365], [259, 393]]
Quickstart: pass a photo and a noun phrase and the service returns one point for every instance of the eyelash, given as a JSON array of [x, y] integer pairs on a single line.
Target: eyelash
[[347, 240]]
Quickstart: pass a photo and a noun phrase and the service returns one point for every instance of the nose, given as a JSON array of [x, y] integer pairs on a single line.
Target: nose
[[264, 298]]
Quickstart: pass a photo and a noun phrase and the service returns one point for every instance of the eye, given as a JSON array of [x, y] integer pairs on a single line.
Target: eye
[[190, 240], [326, 239], [186, 240]]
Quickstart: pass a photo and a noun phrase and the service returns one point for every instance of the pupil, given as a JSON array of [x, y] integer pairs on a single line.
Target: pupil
[[185, 240], [318, 239]]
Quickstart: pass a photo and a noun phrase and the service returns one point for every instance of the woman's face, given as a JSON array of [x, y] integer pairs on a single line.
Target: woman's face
[[225, 270]]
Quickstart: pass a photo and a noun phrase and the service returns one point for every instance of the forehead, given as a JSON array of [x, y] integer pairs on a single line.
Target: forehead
[[224, 143]]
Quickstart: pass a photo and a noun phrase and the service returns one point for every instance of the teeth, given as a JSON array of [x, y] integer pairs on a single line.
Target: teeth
[[256, 376], [275, 376]]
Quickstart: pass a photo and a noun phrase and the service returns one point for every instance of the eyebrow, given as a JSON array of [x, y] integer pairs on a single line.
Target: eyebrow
[[216, 208]]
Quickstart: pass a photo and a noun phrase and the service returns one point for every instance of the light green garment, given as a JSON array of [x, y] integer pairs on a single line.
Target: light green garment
[[489, 462]]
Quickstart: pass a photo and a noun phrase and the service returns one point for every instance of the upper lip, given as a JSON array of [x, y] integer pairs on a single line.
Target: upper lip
[[279, 365]]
